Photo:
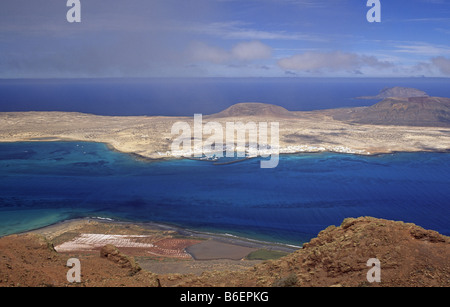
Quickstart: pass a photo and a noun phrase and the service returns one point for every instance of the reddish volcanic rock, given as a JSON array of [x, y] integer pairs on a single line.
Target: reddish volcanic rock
[[408, 254]]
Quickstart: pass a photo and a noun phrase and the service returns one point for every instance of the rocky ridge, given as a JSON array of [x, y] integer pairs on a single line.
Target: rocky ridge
[[254, 109], [412, 111], [409, 256]]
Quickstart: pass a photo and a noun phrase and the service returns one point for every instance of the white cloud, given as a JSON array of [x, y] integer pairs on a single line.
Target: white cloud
[[244, 51], [423, 49], [330, 61], [442, 63], [200, 51], [248, 51], [241, 30]]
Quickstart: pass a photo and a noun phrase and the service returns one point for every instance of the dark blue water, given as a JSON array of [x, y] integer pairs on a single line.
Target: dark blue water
[[207, 96], [42, 183]]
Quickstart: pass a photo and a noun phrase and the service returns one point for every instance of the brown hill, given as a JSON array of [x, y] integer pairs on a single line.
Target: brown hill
[[409, 256], [413, 111], [29, 260], [253, 109], [397, 92]]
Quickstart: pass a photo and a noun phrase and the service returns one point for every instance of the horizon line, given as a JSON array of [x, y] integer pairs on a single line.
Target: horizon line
[[201, 78]]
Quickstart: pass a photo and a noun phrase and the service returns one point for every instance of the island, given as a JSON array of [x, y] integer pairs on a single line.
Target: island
[[117, 253], [396, 124]]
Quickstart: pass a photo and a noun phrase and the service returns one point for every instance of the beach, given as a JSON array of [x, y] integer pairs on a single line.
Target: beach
[[410, 256], [157, 247], [289, 204]]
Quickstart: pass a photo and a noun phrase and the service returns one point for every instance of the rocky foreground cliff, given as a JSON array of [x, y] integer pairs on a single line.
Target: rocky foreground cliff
[[409, 256]]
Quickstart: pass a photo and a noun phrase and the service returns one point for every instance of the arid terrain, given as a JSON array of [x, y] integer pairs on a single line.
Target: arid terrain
[[120, 254], [408, 125], [409, 256]]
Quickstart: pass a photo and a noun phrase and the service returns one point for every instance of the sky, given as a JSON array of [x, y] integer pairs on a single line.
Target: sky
[[224, 38]]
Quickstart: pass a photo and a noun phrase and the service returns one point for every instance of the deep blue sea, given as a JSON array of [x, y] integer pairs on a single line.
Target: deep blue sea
[[45, 182], [207, 96]]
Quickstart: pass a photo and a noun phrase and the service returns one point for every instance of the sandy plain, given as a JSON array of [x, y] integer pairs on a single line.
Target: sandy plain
[[151, 137]]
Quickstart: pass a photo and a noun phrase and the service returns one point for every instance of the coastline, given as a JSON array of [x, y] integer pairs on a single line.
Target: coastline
[[150, 138], [54, 230], [144, 158], [220, 235], [336, 258]]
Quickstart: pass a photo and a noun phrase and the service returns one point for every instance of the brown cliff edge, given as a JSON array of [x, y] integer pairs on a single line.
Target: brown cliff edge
[[409, 256]]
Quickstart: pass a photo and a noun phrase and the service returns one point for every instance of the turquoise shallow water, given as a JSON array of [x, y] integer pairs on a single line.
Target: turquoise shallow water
[[45, 182]]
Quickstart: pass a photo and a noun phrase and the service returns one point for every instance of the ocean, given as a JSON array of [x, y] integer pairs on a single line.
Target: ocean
[[185, 97], [46, 182], [43, 183]]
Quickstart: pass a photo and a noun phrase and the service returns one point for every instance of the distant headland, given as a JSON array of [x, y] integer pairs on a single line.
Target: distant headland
[[397, 92], [400, 106]]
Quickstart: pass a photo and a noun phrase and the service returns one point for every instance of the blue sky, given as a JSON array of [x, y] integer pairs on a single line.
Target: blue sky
[[224, 38]]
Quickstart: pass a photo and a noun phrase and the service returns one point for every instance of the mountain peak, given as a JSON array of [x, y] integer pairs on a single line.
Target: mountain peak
[[397, 92], [412, 111], [253, 109]]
